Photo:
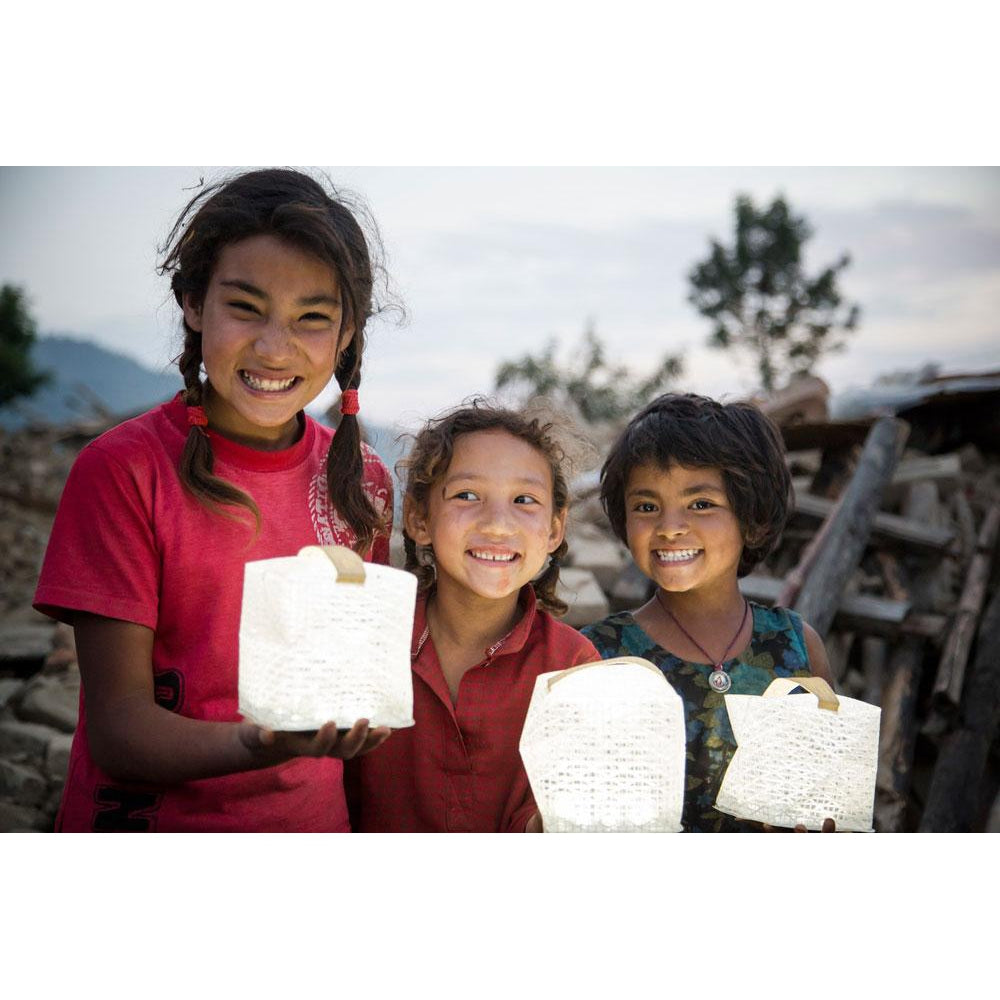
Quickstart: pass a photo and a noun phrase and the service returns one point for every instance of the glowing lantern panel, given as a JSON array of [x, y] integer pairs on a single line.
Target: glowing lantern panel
[[801, 759], [603, 747], [326, 637]]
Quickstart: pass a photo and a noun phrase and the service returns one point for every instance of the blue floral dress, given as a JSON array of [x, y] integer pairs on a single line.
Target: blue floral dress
[[776, 649]]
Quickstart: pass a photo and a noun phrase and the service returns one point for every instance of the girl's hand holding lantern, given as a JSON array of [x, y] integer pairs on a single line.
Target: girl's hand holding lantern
[[327, 741]]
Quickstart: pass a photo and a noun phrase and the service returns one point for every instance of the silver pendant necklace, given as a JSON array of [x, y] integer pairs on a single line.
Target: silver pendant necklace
[[718, 679]]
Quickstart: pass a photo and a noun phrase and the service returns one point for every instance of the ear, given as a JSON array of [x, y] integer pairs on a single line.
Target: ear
[[346, 337], [558, 531], [415, 522], [192, 314]]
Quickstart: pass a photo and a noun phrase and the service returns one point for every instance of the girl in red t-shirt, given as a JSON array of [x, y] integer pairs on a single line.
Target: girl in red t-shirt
[[484, 516], [274, 277]]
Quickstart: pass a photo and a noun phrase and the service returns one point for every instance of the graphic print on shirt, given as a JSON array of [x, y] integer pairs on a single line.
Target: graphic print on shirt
[[123, 811], [330, 527], [168, 689]]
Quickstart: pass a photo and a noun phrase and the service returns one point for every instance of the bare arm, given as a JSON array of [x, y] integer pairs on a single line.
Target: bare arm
[[819, 664], [132, 738]]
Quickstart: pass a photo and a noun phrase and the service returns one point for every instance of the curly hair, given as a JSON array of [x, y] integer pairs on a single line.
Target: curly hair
[[297, 209], [698, 432], [430, 456]]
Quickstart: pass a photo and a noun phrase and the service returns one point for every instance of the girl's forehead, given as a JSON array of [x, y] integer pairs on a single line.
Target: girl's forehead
[[497, 452], [270, 262], [675, 476]]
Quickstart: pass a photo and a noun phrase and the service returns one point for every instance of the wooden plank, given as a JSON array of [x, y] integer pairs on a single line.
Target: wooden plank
[[832, 434], [821, 595], [857, 612], [897, 735], [927, 626], [947, 691], [900, 693], [941, 468], [886, 527], [953, 799]]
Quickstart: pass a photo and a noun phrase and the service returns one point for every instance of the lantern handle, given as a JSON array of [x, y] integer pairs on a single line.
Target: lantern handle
[[349, 565], [600, 663], [814, 685]]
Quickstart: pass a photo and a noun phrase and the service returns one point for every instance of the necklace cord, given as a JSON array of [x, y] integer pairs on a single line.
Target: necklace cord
[[716, 664]]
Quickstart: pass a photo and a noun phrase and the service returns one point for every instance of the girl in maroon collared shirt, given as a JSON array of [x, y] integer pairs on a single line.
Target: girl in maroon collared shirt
[[484, 513]]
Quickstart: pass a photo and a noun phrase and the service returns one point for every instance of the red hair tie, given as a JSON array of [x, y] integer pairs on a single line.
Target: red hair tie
[[349, 402], [196, 416]]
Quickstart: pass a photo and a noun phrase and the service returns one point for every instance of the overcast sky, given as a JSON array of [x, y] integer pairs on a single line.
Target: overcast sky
[[493, 262]]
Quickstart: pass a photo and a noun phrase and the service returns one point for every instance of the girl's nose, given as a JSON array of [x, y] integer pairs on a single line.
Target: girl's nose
[[496, 520], [672, 525], [274, 344]]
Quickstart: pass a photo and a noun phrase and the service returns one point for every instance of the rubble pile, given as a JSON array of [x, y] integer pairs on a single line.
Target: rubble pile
[[39, 680]]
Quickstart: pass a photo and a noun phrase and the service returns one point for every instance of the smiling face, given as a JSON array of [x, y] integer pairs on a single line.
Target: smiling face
[[681, 529], [272, 333], [490, 519]]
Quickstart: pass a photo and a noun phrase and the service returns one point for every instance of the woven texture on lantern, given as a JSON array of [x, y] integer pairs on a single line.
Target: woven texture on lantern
[[801, 759], [326, 637], [603, 747]]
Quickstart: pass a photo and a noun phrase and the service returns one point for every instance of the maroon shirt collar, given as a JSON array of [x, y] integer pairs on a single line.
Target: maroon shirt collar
[[511, 643]]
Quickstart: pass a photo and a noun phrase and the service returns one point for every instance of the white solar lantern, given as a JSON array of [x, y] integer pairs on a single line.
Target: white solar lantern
[[603, 746], [326, 637], [800, 760]]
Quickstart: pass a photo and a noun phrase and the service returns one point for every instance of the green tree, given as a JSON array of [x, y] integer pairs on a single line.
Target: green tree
[[760, 299], [18, 376], [600, 391]]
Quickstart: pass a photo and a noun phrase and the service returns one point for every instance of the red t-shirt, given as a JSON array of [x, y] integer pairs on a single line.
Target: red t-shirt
[[459, 768], [130, 542]]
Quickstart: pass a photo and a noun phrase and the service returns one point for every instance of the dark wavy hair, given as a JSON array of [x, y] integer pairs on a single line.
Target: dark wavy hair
[[298, 209], [694, 431], [430, 456]]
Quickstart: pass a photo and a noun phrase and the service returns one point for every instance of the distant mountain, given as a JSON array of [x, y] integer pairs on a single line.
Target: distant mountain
[[84, 374]]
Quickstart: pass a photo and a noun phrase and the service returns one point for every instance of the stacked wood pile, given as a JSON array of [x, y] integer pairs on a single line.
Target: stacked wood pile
[[891, 556]]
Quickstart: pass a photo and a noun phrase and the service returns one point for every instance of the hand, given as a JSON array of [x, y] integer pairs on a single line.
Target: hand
[[829, 826], [535, 823], [327, 741]]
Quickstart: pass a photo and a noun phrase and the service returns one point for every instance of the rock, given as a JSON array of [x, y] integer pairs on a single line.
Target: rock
[[52, 701], [57, 757], [590, 548], [22, 784], [10, 689], [25, 641], [21, 819], [24, 737], [631, 590], [579, 589], [63, 654]]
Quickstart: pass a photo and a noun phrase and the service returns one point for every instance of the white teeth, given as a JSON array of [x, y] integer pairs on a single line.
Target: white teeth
[[267, 384], [676, 555], [493, 557]]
